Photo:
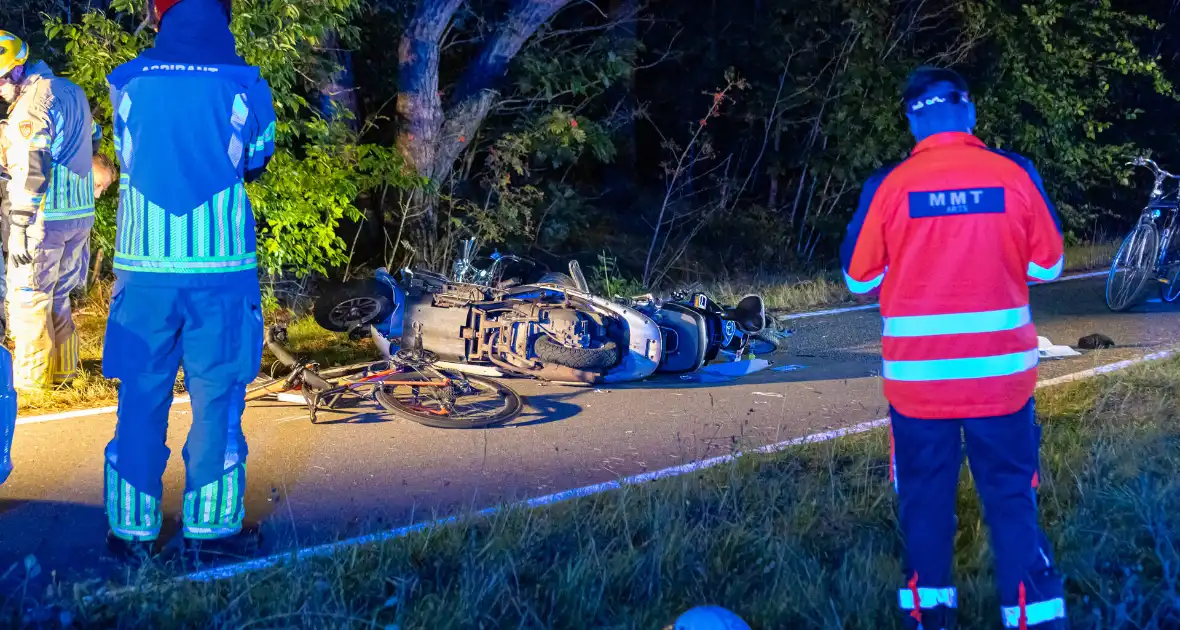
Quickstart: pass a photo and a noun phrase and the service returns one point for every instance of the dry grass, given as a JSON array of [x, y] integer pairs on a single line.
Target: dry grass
[[1090, 256], [804, 539], [787, 294], [795, 293]]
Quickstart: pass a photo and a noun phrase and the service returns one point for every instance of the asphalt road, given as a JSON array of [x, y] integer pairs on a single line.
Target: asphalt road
[[364, 471]]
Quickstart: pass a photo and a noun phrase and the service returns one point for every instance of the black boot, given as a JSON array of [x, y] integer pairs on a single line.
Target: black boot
[[245, 544], [132, 550]]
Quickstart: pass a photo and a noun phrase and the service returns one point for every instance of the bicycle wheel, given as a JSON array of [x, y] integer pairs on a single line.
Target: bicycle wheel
[[1170, 292], [763, 343], [1133, 266], [448, 400]]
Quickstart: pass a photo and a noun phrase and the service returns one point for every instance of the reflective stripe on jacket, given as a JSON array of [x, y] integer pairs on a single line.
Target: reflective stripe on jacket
[[950, 238], [188, 138], [48, 146]]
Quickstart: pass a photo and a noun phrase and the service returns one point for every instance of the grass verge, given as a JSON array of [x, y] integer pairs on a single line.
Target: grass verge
[[801, 539]]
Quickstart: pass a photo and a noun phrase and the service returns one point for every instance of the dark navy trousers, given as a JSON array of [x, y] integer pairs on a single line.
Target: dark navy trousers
[[1003, 453]]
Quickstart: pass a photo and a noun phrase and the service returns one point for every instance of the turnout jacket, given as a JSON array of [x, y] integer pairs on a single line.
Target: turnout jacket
[[48, 144], [188, 136], [950, 239]]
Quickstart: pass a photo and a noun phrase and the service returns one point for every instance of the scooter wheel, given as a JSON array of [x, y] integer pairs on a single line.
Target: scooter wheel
[[354, 303], [598, 358], [558, 278]]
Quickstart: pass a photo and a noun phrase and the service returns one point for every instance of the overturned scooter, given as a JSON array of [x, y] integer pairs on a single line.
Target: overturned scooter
[[697, 330], [553, 330]]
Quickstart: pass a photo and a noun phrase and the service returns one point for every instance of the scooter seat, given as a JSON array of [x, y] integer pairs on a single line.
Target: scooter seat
[[686, 338], [749, 314]]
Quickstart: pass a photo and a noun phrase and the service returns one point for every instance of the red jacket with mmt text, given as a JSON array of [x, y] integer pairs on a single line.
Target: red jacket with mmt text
[[950, 239]]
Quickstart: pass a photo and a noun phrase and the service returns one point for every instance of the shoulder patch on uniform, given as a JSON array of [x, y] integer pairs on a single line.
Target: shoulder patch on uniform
[[26, 129], [945, 203]]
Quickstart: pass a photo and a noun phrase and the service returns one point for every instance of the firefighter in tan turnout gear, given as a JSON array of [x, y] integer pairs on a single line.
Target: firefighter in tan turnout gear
[[48, 142]]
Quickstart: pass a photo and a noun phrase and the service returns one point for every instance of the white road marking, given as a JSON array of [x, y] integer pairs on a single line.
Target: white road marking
[[180, 400], [80, 413], [328, 549]]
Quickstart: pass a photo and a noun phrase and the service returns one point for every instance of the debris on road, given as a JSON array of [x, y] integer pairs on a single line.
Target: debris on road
[[768, 394], [1048, 350], [788, 368], [727, 371], [1095, 342]]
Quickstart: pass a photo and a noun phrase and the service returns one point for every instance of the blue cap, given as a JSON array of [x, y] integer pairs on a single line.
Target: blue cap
[[929, 87]]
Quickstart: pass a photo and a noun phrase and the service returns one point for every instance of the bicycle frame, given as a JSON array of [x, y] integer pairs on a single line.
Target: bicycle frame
[[1159, 202], [307, 385]]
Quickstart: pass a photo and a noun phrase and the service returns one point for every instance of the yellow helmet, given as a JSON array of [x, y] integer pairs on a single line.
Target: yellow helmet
[[13, 52]]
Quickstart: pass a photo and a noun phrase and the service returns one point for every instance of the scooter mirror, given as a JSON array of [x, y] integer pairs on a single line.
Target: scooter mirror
[[578, 277]]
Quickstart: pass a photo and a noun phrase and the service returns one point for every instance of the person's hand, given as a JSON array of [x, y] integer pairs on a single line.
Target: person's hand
[[18, 246]]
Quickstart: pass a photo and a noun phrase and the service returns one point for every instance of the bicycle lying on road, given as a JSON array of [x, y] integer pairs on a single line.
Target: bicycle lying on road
[[408, 386], [1148, 253]]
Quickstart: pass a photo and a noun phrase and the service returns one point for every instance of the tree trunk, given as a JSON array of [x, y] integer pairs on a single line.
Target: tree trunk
[[620, 175], [338, 89], [432, 139], [418, 101]]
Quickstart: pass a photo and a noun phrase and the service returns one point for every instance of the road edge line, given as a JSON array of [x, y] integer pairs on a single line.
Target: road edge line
[[327, 549], [79, 413], [179, 400]]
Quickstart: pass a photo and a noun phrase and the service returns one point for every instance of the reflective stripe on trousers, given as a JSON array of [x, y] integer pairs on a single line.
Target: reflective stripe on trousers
[[928, 598], [216, 510], [1035, 613], [131, 514], [213, 511]]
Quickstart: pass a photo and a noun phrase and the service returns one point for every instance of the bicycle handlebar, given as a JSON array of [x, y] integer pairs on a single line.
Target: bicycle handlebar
[[306, 375], [1153, 167]]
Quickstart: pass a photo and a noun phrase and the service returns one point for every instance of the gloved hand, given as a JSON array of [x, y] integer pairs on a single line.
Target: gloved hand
[[18, 246]]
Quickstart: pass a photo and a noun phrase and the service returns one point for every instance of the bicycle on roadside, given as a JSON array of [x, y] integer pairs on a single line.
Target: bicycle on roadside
[[409, 386], [1149, 252]]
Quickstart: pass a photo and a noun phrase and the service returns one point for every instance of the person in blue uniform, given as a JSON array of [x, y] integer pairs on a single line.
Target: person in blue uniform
[[193, 123]]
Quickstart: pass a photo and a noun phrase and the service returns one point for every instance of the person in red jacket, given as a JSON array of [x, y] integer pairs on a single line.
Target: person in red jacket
[[949, 239]]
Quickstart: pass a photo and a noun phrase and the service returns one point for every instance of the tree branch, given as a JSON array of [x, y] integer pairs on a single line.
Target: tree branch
[[525, 17]]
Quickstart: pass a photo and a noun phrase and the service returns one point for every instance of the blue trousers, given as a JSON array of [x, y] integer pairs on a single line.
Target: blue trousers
[[1003, 453], [216, 335]]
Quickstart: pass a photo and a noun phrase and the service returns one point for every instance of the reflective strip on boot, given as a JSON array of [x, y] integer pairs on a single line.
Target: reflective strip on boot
[[1027, 615], [64, 360], [928, 598], [132, 515], [216, 510]]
